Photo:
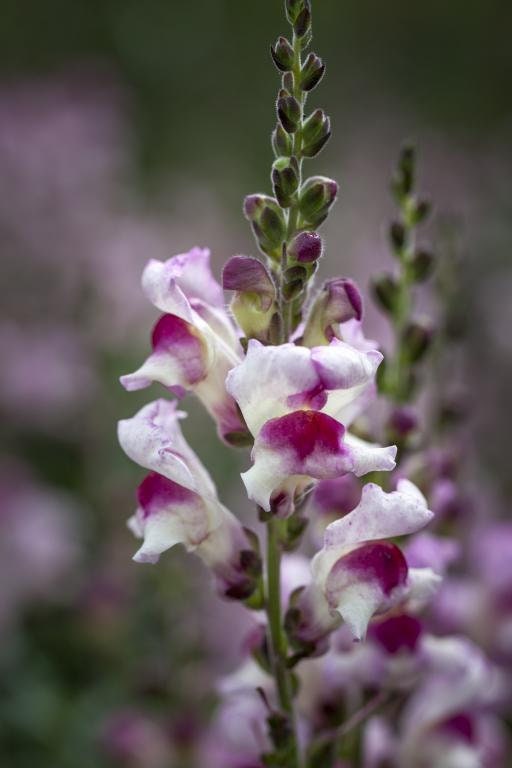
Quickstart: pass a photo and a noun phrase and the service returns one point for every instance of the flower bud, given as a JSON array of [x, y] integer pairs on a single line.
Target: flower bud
[[293, 8], [312, 72], [403, 420], [282, 142], [397, 235], [282, 54], [338, 301], [417, 339], [386, 292], [403, 180], [288, 111], [285, 179], [253, 303], [418, 211], [302, 23], [267, 222], [421, 266], [317, 195], [306, 247], [316, 131]]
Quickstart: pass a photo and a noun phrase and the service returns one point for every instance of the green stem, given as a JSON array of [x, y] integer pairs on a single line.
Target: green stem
[[277, 643]]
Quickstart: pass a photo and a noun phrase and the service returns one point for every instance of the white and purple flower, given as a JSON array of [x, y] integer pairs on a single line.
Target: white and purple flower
[[358, 573], [178, 504], [297, 402], [194, 342]]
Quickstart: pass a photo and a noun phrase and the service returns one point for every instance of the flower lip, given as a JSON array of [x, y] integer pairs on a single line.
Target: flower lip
[[171, 332], [304, 432], [397, 633], [156, 492], [379, 561]]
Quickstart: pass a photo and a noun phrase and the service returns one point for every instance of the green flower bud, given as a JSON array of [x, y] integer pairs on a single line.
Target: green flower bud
[[285, 179], [421, 266], [267, 222], [386, 292], [253, 304], [293, 8], [282, 54], [288, 111], [418, 211], [302, 23], [417, 339], [312, 72], [282, 142], [403, 180], [316, 197], [397, 236], [316, 131]]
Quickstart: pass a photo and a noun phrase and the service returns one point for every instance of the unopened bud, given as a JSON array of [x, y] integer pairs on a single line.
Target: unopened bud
[[403, 180], [339, 300], [305, 247], [312, 72], [253, 303], [282, 142], [267, 222], [288, 111], [293, 8], [316, 131], [317, 195], [282, 54], [418, 211], [397, 235], [403, 421], [417, 339], [421, 266], [285, 179], [386, 292], [302, 23]]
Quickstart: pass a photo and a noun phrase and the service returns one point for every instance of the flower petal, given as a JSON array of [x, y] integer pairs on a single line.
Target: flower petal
[[302, 443], [170, 514], [364, 581], [380, 515], [153, 439], [273, 381], [180, 357], [190, 272]]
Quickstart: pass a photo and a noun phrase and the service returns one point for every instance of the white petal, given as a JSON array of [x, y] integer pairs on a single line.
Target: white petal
[[370, 457], [262, 383], [153, 439], [379, 515]]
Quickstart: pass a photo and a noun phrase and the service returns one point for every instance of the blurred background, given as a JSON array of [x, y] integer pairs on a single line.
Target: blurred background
[[132, 130]]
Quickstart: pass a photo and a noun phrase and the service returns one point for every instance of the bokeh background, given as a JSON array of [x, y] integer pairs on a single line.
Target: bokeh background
[[132, 130]]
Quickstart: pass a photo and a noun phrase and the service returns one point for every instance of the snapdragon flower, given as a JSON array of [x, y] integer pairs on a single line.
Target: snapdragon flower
[[358, 573], [297, 403], [178, 503], [194, 342]]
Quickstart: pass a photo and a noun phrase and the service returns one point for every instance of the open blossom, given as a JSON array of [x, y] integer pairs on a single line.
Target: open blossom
[[358, 573], [178, 504], [194, 343], [297, 403]]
